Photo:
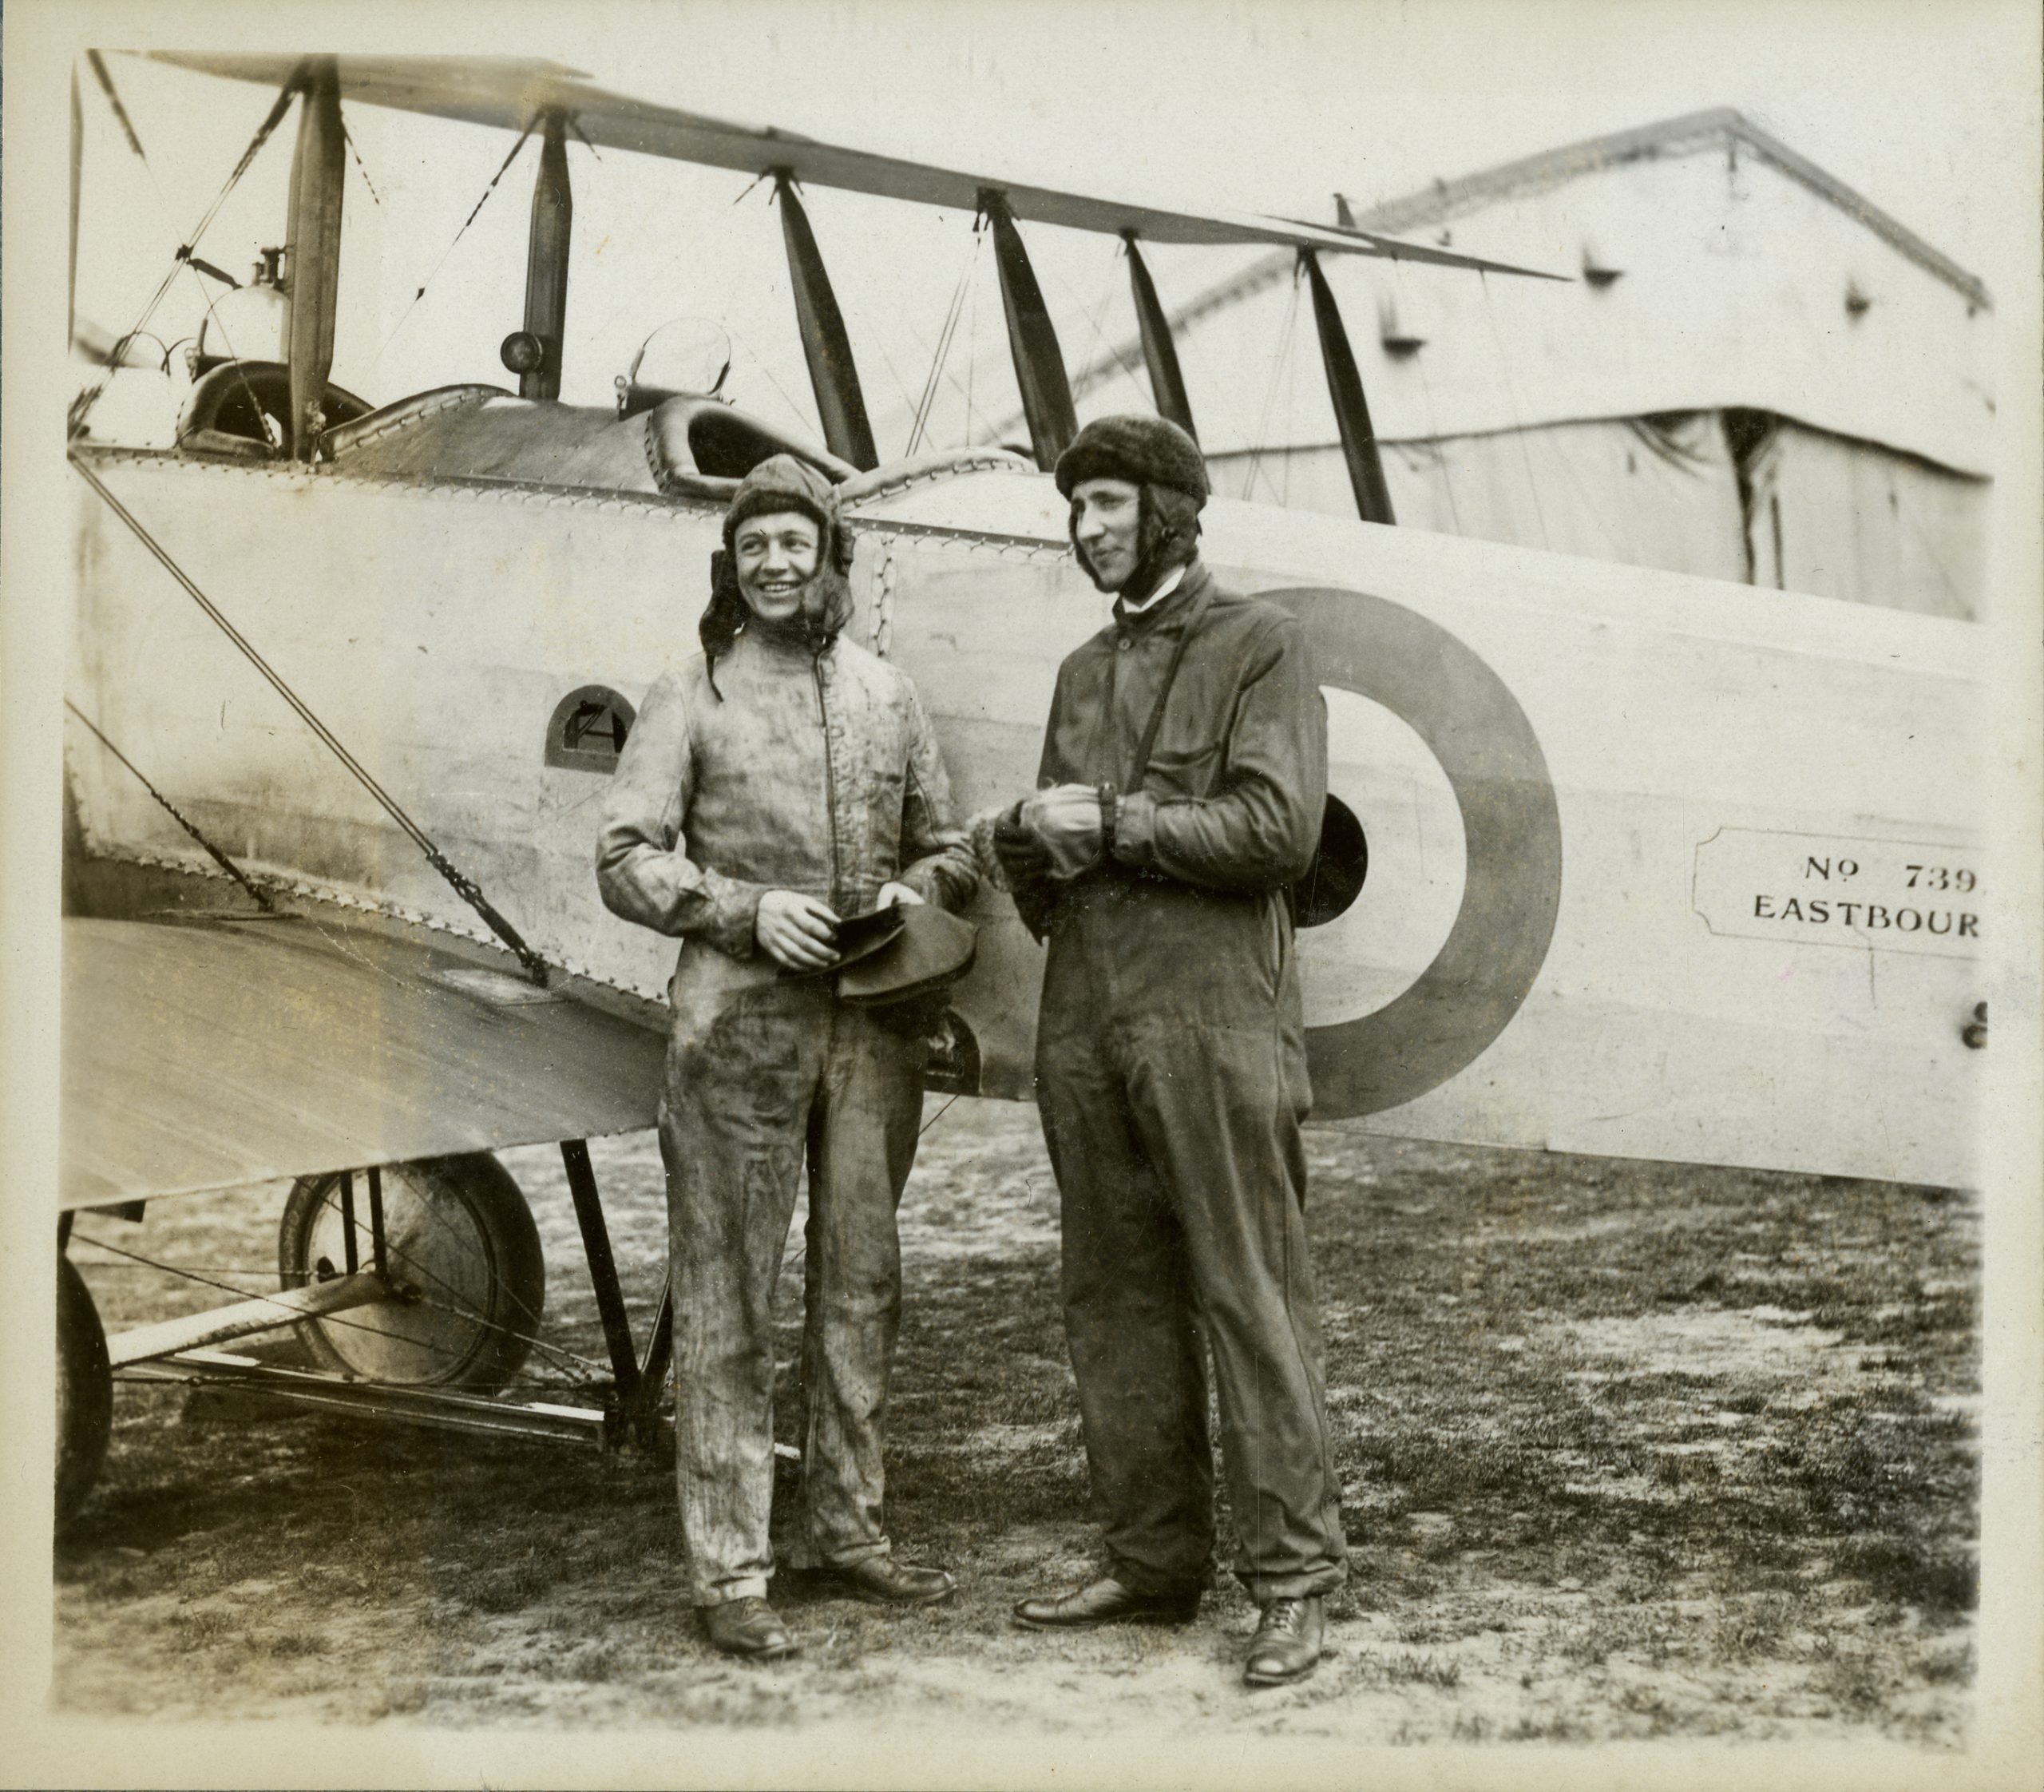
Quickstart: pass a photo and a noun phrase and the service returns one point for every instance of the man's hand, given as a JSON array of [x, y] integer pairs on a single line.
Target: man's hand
[[897, 895], [1017, 851], [1065, 821], [796, 931]]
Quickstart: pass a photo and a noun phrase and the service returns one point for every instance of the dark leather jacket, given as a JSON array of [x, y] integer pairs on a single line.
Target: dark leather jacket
[[1230, 801]]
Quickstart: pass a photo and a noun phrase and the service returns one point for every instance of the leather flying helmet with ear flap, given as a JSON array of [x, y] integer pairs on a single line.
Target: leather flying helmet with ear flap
[[782, 483]]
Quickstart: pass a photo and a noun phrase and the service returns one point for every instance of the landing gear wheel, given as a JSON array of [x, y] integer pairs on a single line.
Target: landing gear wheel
[[85, 1393], [460, 1241]]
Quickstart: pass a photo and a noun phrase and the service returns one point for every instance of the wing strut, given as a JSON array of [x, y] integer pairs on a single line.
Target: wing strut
[[1031, 338], [546, 261], [1351, 412], [833, 375], [312, 234], [1160, 355]]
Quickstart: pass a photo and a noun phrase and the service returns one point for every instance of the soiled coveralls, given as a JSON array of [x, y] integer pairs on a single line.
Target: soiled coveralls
[[819, 775], [1171, 1068]]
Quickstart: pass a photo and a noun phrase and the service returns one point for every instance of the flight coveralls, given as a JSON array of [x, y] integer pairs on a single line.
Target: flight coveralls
[[1171, 1078], [815, 772]]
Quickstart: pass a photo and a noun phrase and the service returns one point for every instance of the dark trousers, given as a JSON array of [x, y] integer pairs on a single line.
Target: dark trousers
[[1171, 1106]]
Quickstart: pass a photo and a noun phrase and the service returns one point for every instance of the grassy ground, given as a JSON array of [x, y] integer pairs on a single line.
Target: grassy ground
[[1628, 1451]]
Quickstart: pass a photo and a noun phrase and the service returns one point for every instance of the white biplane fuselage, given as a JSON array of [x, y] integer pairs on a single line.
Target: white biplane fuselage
[[1747, 935]]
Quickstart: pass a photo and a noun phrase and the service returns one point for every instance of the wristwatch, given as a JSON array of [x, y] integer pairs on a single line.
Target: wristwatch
[[1110, 813]]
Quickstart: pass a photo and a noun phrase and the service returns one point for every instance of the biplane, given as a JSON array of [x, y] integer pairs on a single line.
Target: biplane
[[1616, 860]]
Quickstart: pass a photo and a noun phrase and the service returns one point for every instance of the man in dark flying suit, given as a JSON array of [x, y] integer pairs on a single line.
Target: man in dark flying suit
[[1183, 777]]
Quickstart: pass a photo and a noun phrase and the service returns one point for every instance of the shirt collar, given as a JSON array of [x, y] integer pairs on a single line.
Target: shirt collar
[[1169, 583]]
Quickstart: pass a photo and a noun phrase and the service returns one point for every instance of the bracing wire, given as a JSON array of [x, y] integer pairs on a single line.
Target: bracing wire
[[105, 77], [1099, 310], [361, 167], [476, 211], [944, 338], [1437, 445], [255, 895], [291, 1315], [189, 1273], [1284, 335], [463, 885], [97, 64], [82, 407], [559, 1354], [972, 362], [240, 367], [1518, 416]]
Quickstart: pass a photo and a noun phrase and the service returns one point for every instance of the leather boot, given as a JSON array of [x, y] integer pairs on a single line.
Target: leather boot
[[1287, 1643], [1107, 1601], [750, 1627], [882, 1580]]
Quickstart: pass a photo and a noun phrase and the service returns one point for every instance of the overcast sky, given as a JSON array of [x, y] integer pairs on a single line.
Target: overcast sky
[[1262, 107]]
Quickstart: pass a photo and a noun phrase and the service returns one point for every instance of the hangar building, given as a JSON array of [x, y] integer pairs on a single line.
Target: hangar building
[[1753, 374]]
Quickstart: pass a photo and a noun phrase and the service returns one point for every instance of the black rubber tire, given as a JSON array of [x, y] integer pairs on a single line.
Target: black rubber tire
[[85, 1393], [459, 1232]]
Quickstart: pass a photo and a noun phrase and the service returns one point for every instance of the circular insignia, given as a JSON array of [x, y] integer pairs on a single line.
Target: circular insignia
[[1511, 888]]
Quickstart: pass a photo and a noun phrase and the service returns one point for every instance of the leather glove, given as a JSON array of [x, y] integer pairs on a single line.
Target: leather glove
[[1019, 853], [1065, 820]]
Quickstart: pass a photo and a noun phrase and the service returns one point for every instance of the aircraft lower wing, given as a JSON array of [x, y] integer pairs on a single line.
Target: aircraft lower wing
[[203, 1053]]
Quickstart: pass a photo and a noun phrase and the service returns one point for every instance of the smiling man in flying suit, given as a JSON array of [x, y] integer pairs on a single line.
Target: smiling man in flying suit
[[781, 779], [1183, 777]]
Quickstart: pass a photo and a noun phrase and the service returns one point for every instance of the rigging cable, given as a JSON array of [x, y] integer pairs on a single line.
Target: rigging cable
[[271, 436], [81, 406], [1099, 310], [255, 895], [362, 167], [1435, 443], [1284, 336], [105, 78], [561, 1356], [292, 1316], [531, 124], [1518, 415], [97, 64], [463, 885], [944, 338]]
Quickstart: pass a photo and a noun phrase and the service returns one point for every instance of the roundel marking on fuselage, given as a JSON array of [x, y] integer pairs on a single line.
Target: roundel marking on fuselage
[[1511, 890]]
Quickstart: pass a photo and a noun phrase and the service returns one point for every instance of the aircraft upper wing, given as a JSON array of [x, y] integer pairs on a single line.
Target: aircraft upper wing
[[204, 1052], [510, 92]]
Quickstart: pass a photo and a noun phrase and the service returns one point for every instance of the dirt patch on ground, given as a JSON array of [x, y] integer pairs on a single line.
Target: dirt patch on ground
[[1628, 1451]]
